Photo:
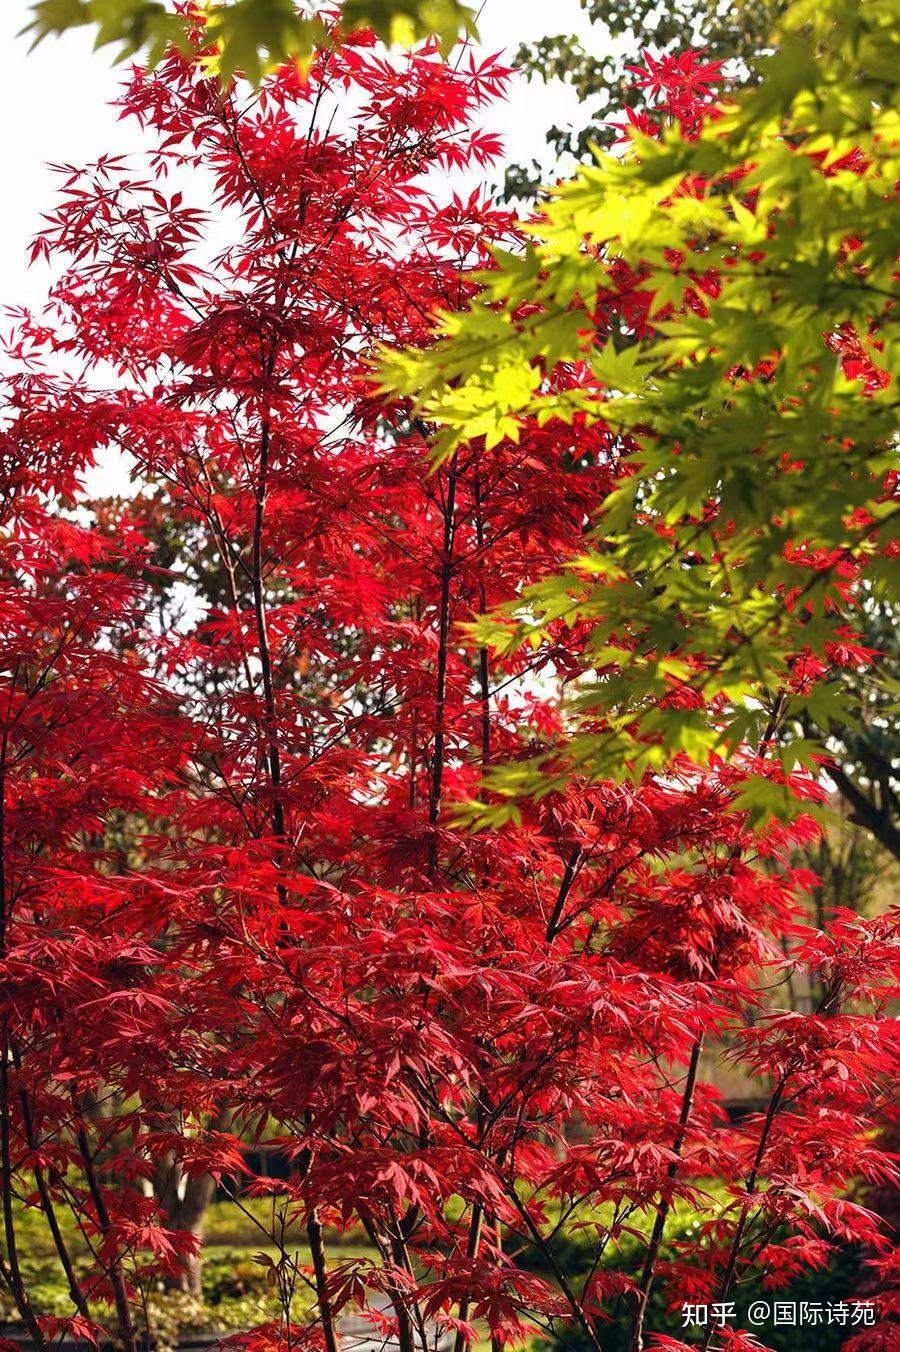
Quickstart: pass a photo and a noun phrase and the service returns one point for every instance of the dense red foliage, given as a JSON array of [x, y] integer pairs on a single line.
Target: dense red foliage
[[237, 711]]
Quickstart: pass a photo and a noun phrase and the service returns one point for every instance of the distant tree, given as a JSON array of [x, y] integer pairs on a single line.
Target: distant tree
[[732, 33], [865, 749]]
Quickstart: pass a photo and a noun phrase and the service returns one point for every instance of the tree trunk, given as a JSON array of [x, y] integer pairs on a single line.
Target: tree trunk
[[184, 1209]]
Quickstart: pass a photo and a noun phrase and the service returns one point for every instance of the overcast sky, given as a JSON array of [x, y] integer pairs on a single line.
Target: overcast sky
[[54, 107]]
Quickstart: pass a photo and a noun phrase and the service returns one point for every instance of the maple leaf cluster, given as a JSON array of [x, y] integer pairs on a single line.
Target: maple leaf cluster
[[242, 714]]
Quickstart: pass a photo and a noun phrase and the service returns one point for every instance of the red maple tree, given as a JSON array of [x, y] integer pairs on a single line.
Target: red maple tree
[[240, 715]]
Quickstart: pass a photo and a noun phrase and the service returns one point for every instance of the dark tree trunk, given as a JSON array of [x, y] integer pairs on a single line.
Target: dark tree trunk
[[184, 1209]]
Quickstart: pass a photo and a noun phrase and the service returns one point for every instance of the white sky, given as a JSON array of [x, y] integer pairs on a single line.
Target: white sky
[[54, 108]]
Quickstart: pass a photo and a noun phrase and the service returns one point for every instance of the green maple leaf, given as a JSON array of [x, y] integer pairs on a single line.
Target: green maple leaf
[[251, 35]]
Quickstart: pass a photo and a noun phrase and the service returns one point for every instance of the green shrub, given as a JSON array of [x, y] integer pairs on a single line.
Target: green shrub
[[232, 1275]]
